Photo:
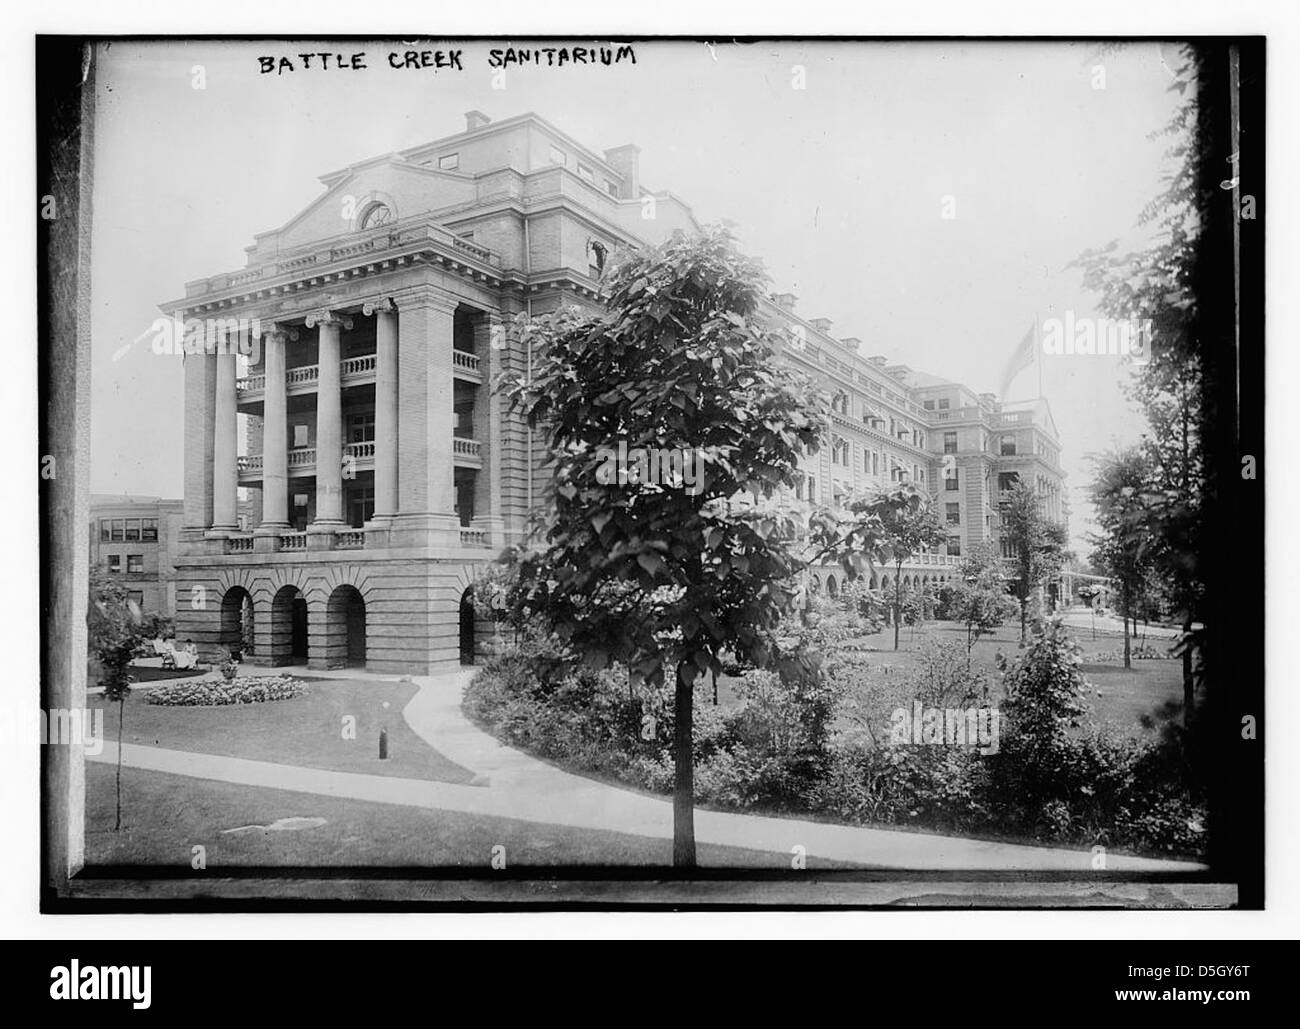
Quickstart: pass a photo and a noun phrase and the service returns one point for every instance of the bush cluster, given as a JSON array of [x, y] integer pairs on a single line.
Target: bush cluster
[[816, 741]]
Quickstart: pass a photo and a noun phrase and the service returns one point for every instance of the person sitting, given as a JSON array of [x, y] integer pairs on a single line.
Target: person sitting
[[187, 656]]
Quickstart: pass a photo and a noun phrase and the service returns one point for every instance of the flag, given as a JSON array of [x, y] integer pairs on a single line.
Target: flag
[[1021, 359]]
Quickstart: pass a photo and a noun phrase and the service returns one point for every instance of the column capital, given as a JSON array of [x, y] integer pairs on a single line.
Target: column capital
[[327, 316], [383, 305], [276, 330]]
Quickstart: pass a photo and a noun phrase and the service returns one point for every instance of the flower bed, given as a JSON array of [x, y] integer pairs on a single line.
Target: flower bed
[[252, 690]]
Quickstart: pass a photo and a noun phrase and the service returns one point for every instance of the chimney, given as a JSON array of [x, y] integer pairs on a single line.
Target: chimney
[[878, 360], [851, 343], [785, 301], [475, 120], [626, 160], [820, 324]]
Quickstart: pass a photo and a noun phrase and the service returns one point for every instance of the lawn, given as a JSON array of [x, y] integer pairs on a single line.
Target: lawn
[[1150, 688], [165, 816], [306, 731]]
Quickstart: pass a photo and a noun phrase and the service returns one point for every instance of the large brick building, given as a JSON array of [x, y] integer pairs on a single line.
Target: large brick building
[[379, 467]]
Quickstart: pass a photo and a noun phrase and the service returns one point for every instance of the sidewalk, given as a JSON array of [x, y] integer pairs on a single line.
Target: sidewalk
[[521, 787]]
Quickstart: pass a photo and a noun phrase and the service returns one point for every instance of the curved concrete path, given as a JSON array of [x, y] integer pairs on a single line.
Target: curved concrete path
[[513, 785]]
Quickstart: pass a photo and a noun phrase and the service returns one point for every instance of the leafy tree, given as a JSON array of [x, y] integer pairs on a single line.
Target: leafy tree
[[118, 631], [980, 601], [1122, 495], [1043, 707], [1156, 284], [908, 529], [1038, 545], [649, 573]]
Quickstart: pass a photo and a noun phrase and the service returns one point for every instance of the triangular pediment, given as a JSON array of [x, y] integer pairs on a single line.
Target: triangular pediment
[[407, 189]]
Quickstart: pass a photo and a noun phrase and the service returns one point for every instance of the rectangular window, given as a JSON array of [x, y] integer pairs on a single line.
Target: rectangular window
[[586, 174], [943, 404], [114, 562], [361, 427], [105, 530], [952, 482], [136, 597], [300, 436], [449, 162], [611, 188], [149, 530], [558, 156], [1007, 445], [875, 463], [953, 512], [119, 530], [135, 562], [950, 443], [954, 546], [133, 530], [928, 405], [1006, 480]]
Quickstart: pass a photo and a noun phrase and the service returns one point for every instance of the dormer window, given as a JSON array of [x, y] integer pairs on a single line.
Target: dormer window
[[376, 215], [586, 174], [449, 162]]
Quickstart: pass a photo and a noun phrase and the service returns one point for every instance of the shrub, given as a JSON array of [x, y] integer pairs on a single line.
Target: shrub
[[207, 693]]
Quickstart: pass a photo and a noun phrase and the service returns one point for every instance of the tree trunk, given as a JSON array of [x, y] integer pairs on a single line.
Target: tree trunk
[[715, 688], [1128, 659], [121, 716], [684, 768], [1189, 683], [898, 599], [1024, 616]]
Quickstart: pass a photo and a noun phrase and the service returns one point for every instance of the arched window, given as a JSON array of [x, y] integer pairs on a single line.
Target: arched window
[[376, 215]]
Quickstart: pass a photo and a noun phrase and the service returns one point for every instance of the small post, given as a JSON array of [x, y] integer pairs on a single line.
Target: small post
[[383, 744]]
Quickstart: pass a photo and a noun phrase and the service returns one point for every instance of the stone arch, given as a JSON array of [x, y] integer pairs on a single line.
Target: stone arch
[[344, 638], [832, 587], [465, 625], [288, 632], [237, 622]]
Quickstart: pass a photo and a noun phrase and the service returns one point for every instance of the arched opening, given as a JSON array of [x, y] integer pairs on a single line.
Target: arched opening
[[467, 626], [237, 623], [832, 588], [288, 642], [345, 629]]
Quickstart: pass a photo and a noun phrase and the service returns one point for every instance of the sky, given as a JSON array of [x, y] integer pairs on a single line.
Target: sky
[[927, 197]]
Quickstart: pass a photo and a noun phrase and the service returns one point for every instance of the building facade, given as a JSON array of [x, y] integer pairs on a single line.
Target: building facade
[[342, 389], [134, 540]]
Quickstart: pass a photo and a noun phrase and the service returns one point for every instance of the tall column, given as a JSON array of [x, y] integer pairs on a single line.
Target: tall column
[[225, 442], [275, 433], [386, 439], [329, 420], [489, 337], [200, 418]]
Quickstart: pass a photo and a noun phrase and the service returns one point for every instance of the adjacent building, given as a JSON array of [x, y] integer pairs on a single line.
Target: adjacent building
[[346, 398], [133, 540]]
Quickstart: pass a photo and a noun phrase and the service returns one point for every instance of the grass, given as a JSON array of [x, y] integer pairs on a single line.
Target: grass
[[164, 816], [1152, 689], [306, 731]]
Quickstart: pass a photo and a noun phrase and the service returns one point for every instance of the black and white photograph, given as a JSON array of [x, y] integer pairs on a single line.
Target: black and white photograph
[[746, 472]]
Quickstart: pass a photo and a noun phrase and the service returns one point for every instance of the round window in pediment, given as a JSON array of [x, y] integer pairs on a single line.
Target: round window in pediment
[[376, 215]]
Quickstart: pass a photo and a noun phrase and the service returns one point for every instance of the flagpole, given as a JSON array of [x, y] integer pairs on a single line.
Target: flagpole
[[1038, 356]]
